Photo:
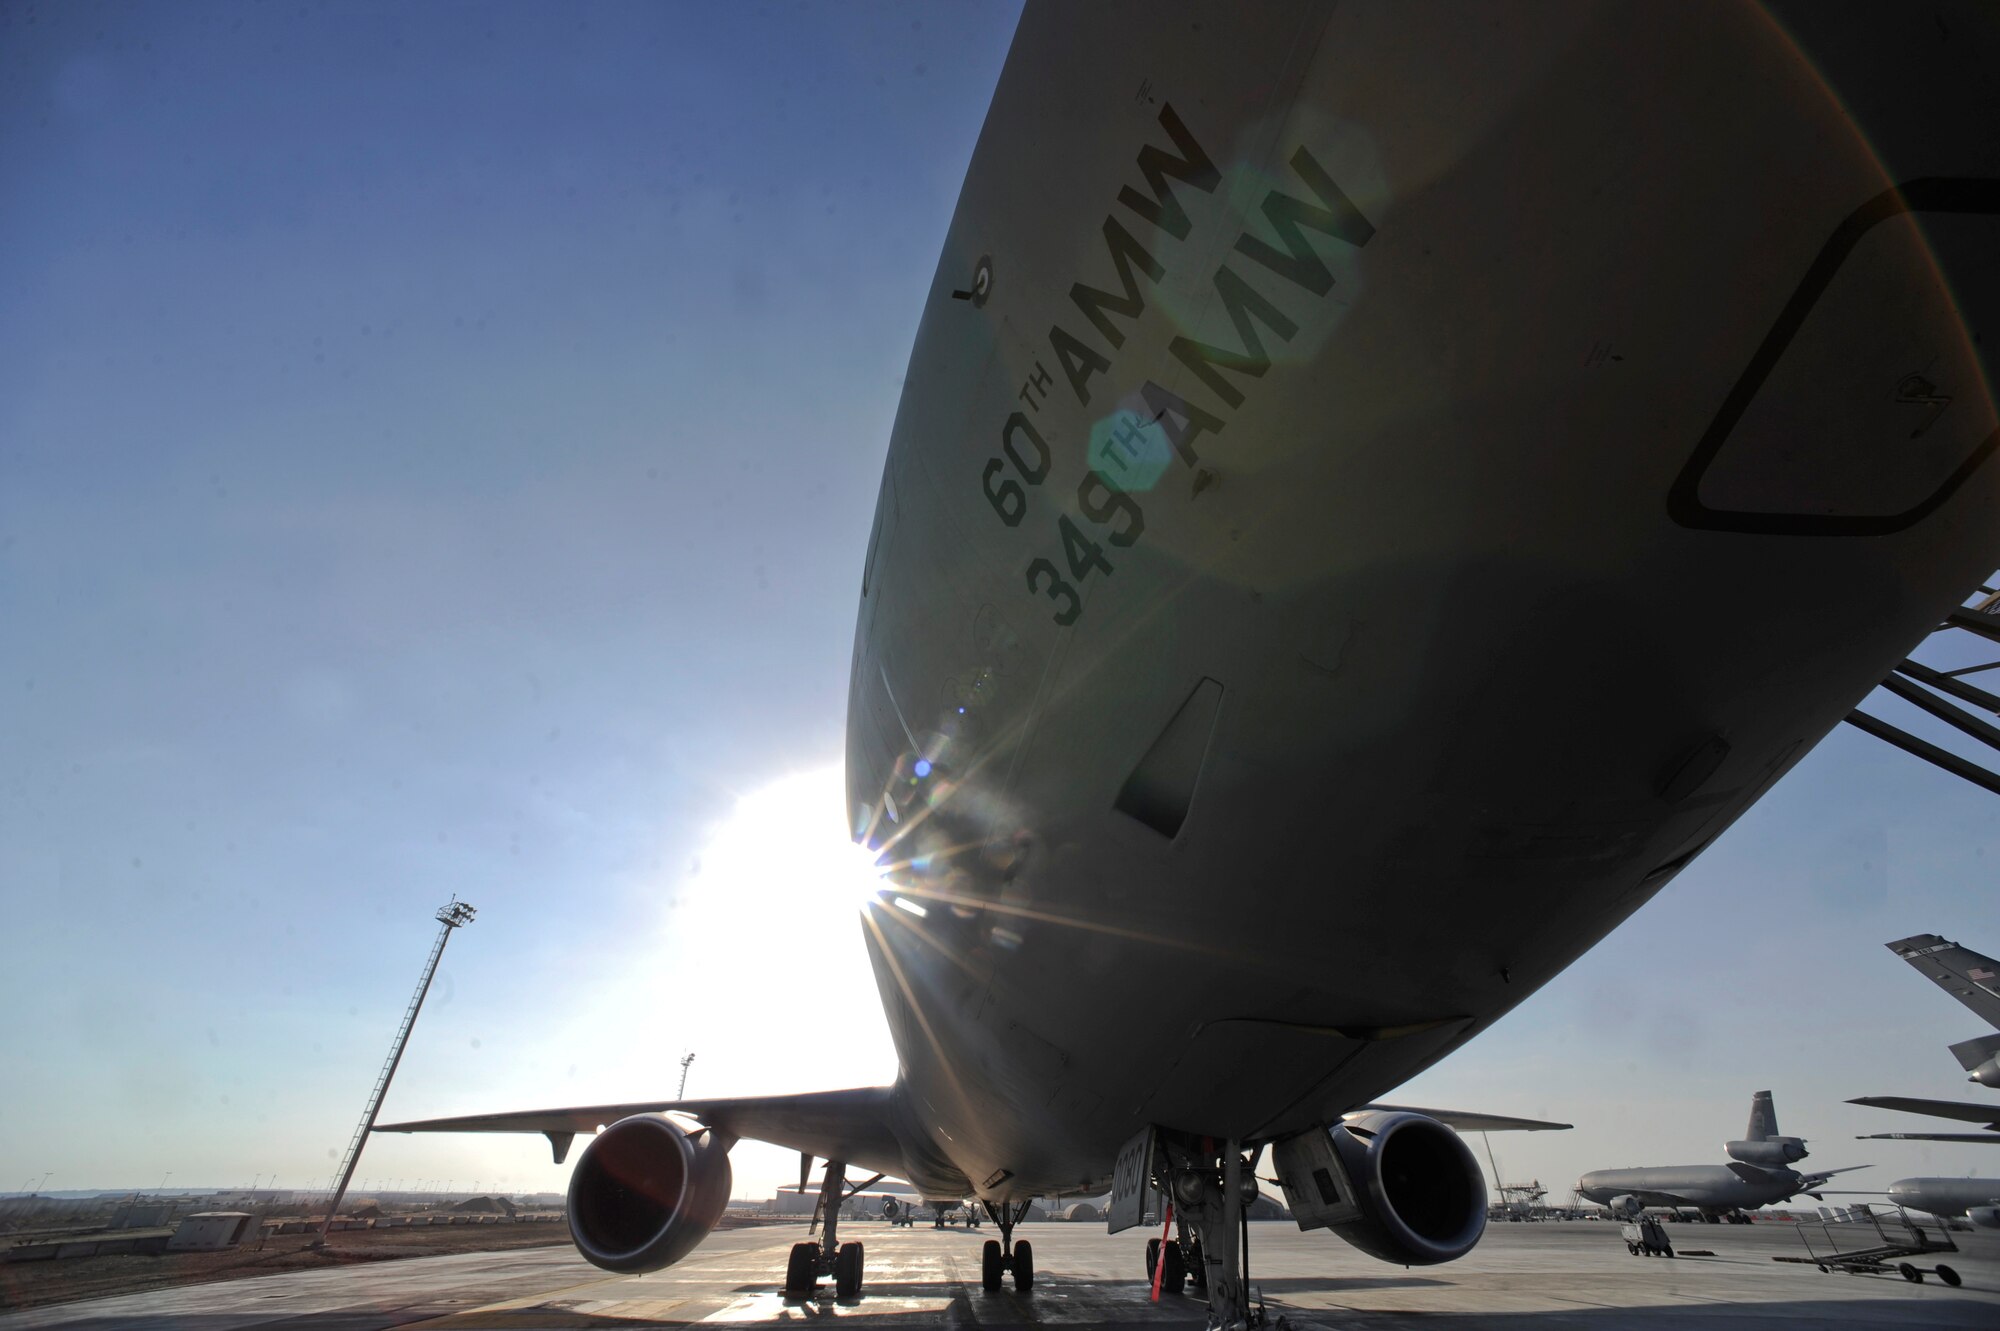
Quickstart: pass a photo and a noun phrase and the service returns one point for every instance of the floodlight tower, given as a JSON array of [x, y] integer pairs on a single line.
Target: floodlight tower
[[451, 915], [686, 1059]]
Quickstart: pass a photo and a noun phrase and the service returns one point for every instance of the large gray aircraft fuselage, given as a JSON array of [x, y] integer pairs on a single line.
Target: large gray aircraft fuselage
[[1710, 1187], [1379, 489], [1945, 1196]]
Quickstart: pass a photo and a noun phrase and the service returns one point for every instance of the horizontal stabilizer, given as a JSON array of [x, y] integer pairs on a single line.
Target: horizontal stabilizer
[[1750, 1173], [1959, 1109], [1984, 1138], [1971, 1053], [852, 1126], [1463, 1121], [1971, 978]]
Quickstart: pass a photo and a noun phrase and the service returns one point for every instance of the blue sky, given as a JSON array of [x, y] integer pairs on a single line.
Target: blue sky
[[437, 445]]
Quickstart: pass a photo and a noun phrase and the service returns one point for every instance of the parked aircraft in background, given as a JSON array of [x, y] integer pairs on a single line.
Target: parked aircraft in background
[[1977, 1199], [1974, 980], [1758, 1174], [1325, 422]]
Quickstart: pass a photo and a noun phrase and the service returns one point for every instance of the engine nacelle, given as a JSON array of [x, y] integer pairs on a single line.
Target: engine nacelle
[[1625, 1207], [1986, 1217], [1770, 1153], [1421, 1197], [1988, 1073], [645, 1193]]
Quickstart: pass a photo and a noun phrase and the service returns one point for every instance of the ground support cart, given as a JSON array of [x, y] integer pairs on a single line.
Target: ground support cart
[[1869, 1242], [1645, 1237]]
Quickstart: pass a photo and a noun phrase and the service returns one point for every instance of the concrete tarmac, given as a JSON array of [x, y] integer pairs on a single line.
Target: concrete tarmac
[[1573, 1276]]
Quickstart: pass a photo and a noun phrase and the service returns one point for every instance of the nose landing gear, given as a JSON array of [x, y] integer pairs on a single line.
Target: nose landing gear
[[1212, 1191]]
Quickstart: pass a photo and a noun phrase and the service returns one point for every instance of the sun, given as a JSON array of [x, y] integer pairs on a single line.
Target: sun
[[781, 864]]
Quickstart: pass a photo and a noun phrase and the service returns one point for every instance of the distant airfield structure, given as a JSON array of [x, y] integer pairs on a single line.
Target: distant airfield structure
[[451, 915]]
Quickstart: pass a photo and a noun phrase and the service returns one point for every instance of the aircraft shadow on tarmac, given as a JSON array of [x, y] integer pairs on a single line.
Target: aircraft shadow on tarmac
[[1885, 1313]]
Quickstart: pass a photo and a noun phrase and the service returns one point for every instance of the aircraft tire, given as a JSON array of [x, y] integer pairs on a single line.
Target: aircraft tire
[[989, 1265], [847, 1271], [1024, 1266], [1949, 1276], [1174, 1279], [1152, 1258], [799, 1274]]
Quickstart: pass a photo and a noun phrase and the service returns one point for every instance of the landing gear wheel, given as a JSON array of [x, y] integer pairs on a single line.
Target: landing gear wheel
[[799, 1274], [847, 1271], [989, 1264], [1174, 1279], [1949, 1276], [1024, 1266], [1152, 1258], [1910, 1273]]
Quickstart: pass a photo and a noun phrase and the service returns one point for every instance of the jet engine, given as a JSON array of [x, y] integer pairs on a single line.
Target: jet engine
[[1986, 1217], [1625, 1207], [1987, 1073], [1770, 1153], [1421, 1197], [645, 1193]]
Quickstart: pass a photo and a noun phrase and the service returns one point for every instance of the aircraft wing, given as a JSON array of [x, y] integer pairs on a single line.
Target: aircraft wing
[[1972, 979], [1654, 1197], [1817, 1177], [1463, 1121], [1982, 1138], [1958, 1109], [853, 1125]]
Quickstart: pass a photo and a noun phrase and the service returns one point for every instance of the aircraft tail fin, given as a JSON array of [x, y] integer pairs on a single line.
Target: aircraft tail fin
[[1763, 1118], [1970, 977]]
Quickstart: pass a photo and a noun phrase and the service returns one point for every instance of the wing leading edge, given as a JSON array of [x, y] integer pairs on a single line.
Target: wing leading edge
[[1965, 1111], [856, 1126], [1462, 1121]]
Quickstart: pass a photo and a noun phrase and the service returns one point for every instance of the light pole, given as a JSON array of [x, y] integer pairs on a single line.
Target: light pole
[[163, 1180], [450, 916]]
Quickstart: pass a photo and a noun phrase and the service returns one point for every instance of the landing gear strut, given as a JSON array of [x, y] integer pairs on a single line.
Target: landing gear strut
[[1212, 1191], [1002, 1255], [809, 1261], [1183, 1257]]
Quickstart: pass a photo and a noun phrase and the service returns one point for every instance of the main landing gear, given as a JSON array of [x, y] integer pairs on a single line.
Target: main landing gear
[[1211, 1191], [1002, 1255], [1184, 1261], [809, 1261]]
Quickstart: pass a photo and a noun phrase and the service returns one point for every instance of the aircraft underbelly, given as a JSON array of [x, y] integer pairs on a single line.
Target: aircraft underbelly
[[1330, 641]]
